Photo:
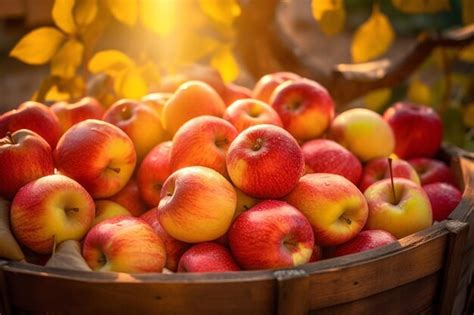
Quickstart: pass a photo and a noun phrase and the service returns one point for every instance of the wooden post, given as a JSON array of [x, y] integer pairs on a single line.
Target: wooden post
[[293, 290], [5, 307], [454, 258]]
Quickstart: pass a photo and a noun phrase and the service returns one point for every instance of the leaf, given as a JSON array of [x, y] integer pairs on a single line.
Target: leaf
[[55, 95], [67, 59], [373, 38], [467, 12], [85, 11], [159, 16], [453, 129], [130, 84], [468, 115], [195, 47], [224, 61], [421, 6], [151, 74], [9, 247], [109, 61], [375, 100], [125, 11], [221, 11], [68, 256], [63, 16], [38, 46], [419, 92], [330, 15], [467, 53]]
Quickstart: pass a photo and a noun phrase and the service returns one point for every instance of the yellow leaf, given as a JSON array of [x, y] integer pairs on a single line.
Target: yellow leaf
[[467, 12], [330, 15], [467, 53], [159, 16], [421, 6], [195, 47], [224, 61], [109, 61], [67, 59], [125, 11], [130, 84], [221, 11], [84, 12], [55, 95], [468, 116], [38, 46], [419, 92], [150, 73], [373, 38], [376, 99], [62, 15]]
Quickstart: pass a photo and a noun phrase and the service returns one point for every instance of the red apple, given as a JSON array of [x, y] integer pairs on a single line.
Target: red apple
[[444, 198], [432, 171], [326, 156], [129, 197], [50, 210], [24, 156], [207, 257], [364, 241], [272, 234], [70, 114], [234, 92], [265, 161], [418, 130], [249, 112], [100, 156], [106, 209], [317, 254], [264, 88], [34, 116], [156, 101]]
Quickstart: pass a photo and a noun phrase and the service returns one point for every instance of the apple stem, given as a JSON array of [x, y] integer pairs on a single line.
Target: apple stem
[[258, 144], [348, 221], [391, 180], [115, 169], [69, 210], [10, 137], [54, 245]]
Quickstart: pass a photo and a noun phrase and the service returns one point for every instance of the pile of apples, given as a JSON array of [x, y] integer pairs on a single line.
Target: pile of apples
[[206, 177]]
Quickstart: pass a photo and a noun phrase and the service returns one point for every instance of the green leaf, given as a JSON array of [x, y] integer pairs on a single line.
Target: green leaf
[[453, 126]]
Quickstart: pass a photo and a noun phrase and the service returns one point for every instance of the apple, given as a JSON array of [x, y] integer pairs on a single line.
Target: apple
[[130, 198], [24, 156], [106, 209], [326, 156], [305, 108], [334, 206], [124, 244], [98, 155], [207, 257], [249, 112], [244, 202], [191, 99], [234, 92], [317, 254], [407, 213], [156, 101], [133, 117], [197, 204], [265, 161], [70, 114], [34, 116], [418, 130], [364, 133], [444, 198], [50, 210], [153, 171], [432, 171], [174, 248], [378, 169], [202, 141], [365, 240], [264, 88], [272, 234]]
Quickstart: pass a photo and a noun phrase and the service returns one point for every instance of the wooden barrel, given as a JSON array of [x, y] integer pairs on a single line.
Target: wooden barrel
[[427, 272]]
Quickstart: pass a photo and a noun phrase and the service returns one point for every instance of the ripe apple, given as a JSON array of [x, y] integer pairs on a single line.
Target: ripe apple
[[174, 248], [378, 169], [153, 171], [207, 257], [129, 198], [100, 156], [197, 204], [334, 206], [265, 161], [124, 244], [249, 112], [244, 202], [305, 108], [272, 234], [202, 141], [51, 209], [432, 171], [106, 209], [407, 213], [364, 133], [326, 156], [34, 116], [234, 92], [24, 156], [364, 241], [190, 100], [264, 88], [317, 254], [444, 198], [418, 130], [133, 117], [156, 101], [70, 114]]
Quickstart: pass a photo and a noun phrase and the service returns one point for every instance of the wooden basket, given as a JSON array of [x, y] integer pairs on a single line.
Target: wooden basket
[[427, 272]]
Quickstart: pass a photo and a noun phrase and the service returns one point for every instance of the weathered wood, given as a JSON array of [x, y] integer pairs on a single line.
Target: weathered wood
[[5, 307], [293, 288]]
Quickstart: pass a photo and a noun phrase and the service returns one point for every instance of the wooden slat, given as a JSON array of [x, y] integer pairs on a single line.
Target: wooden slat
[[293, 288], [5, 307]]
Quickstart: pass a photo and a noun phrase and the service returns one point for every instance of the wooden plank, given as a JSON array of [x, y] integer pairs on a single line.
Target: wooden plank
[[5, 307], [412, 298], [11, 8], [293, 288]]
